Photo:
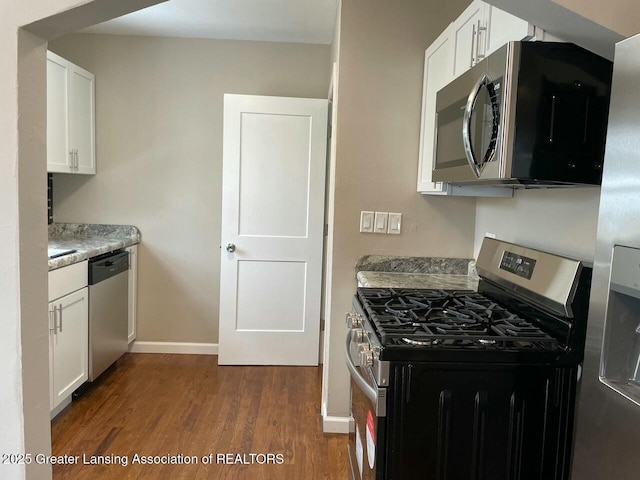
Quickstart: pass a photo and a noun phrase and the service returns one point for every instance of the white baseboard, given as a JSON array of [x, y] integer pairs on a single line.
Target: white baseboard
[[336, 424], [174, 347]]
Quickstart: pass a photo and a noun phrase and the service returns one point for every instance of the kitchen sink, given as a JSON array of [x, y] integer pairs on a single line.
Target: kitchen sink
[[59, 252]]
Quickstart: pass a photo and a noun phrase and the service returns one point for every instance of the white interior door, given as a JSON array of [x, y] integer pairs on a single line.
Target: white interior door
[[273, 179]]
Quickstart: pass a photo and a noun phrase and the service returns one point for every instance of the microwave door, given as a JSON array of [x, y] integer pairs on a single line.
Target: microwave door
[[450, 161], [480, 124], [468, 104]]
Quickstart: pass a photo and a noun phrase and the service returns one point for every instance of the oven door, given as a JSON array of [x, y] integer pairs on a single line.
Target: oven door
[[367, 444]]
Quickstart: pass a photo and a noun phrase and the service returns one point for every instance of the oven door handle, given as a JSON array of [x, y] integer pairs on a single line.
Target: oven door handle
[[477, 164], [377, 396]]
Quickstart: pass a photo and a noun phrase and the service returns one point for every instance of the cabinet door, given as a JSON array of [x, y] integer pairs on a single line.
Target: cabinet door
[[69, 344], [58, 150], [133, 290], [82, 119], [502, 27], [438, 71], [466, 49]]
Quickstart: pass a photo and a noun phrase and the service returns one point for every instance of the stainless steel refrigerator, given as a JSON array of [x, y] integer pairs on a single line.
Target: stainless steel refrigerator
[[607, 442]]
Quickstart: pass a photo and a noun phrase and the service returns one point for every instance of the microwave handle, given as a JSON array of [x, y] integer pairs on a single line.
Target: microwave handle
[[466, 124]]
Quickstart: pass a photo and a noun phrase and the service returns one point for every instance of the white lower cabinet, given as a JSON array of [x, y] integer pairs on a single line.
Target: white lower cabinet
[[68, 345], [133, 290]]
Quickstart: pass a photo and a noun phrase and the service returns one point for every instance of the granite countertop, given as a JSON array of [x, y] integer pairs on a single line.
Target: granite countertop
[[381, 271], [430, 265], [89, 240], [417, 280]]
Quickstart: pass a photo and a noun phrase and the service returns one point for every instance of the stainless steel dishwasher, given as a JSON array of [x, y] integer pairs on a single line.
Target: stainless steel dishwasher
[[108, 310]]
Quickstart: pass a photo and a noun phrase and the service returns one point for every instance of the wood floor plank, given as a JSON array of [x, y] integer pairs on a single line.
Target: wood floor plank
[[171, 405]]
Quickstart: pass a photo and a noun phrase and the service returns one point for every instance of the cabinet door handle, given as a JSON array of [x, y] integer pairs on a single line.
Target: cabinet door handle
[[76, 159], [479, 56], [71, 160], [60, 310], [473, 39]]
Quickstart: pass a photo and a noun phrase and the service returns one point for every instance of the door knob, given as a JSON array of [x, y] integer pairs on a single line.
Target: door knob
[[230, 247]]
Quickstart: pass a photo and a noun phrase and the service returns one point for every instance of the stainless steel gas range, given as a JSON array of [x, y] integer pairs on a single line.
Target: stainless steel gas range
[[466, 385]]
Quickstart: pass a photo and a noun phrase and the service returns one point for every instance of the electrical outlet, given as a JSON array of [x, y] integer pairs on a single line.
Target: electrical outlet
[[395, 223], [381, 221], [366, 222]]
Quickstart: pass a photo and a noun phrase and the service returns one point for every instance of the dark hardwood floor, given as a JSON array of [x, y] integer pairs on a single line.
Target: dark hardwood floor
[[172, 405]]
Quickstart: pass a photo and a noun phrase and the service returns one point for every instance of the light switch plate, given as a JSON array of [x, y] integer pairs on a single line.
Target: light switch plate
[[366, 222], [381, 221], [395, 223]]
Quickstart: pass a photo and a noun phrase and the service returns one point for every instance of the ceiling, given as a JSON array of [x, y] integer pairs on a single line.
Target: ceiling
[[298, 21]]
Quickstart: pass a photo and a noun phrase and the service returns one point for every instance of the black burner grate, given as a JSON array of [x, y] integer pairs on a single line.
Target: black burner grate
[[448, 318]]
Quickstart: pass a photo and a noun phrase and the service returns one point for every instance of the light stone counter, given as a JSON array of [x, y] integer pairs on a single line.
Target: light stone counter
[[385, 271], [89, 240], [416, 280], [388, 263]]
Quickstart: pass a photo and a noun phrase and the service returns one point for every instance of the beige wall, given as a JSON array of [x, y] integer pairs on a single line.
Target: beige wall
[[382, 47], [557, 220], [563, 220], [159, 157], [24, 415], [621, 16]]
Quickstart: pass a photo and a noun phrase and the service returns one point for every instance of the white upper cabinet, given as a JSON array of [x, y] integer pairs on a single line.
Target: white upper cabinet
[[58, 157], [82, 119], [469, 37], [477, 32], [438, 71], [481, 29], [502, 27], [70, 117]]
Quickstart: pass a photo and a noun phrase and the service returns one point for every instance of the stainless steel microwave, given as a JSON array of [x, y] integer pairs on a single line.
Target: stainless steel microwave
[[530, 114]]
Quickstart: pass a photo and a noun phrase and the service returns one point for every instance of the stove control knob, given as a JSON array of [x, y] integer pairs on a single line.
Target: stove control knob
[[353, 320], [360, 336], [366, 357]]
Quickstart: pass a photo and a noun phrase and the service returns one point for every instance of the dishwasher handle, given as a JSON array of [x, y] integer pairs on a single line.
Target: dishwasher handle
[[108, 266]]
